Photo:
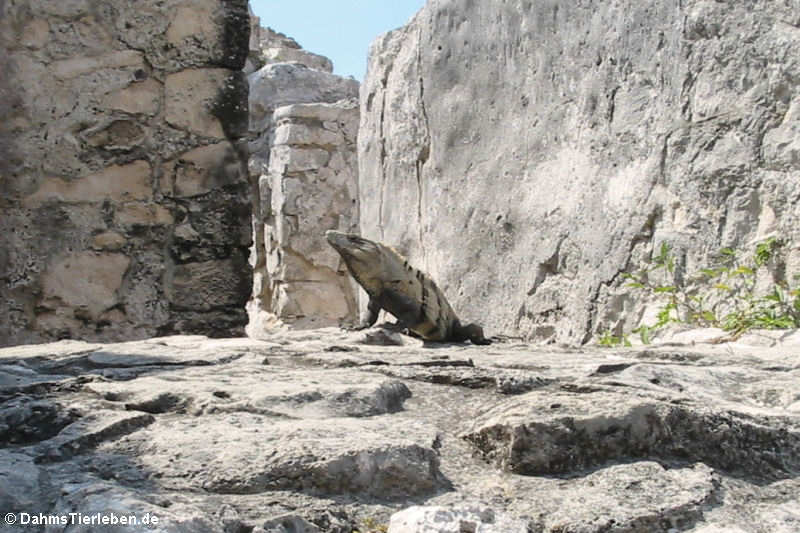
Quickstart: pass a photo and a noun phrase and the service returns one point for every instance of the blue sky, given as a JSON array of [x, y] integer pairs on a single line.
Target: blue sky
[[338, 29]]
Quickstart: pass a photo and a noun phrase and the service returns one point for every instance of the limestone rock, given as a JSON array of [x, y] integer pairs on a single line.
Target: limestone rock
[[563, 144], [443, 520], [316, 430], [25, 488], [563, 433]]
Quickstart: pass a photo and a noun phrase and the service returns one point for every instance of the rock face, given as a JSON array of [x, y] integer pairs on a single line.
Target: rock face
[[123, 166], [535, 150], [328, 431], [303, 172]]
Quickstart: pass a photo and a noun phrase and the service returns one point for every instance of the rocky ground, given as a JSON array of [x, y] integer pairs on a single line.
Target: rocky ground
[[327, 430]]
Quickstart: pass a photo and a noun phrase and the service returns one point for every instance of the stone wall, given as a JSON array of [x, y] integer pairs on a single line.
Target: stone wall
[[535, 150], [303, 176], [124, 210]]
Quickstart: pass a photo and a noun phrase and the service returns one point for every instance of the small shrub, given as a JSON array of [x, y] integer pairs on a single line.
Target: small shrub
[[723, 295]]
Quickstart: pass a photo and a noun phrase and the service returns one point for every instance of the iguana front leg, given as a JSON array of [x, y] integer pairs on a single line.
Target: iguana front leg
[[369, 319]]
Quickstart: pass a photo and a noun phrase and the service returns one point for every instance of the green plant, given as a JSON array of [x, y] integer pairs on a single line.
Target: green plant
[[371, 525], [724, 295], [609, 340]]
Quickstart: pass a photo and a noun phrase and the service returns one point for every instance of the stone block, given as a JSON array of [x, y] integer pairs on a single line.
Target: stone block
[[85, 280], [209, 285], [303, 134], [221, 31], [287, 159], [118, 183], [65, 8], [202, 170], [142, 214], [116, 135], [90, 94], [194, 22], [191, 97], [78, 66], [138, 97], [36, 34], [319, 304], [108, 240]]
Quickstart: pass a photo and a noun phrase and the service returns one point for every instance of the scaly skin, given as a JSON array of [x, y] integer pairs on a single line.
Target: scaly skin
[[404, 291]]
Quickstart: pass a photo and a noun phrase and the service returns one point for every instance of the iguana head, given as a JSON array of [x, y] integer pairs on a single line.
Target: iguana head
[[364, 258]]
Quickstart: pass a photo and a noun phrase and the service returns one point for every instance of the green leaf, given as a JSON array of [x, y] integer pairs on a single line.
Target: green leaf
[[709, 317], [764, 251], [722, 287], [709, 272], [663, 255], [664, 315], [743, 270], [635, 285], [667, 288], [644, 333]]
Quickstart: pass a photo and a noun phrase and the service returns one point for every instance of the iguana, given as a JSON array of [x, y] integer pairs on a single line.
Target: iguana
[[404, 291]]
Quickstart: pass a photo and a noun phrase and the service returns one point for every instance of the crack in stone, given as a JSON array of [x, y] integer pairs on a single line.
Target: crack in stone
[[424, 152]]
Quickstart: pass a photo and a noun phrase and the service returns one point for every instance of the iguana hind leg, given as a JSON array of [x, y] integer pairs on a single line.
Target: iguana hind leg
[[473, 332]]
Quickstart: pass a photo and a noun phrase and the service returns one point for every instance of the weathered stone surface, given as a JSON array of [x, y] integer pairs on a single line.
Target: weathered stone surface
[[116, 183], [104, 499], [312, 185], [419, 519], [284, 84], [86, 280], [303, 179], [557, 437], [99, 105], [142, 97], [185, 90], [25, 488], [202, 170], [209, 285], [141, 214], [563, 144], [324, 430]]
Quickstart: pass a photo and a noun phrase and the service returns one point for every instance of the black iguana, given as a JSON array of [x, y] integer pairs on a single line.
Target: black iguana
[[404, 291]]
